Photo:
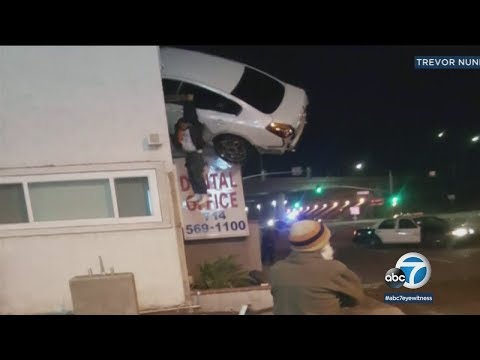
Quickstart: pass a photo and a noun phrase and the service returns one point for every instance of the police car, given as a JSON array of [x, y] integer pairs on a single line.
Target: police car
[[426, 230]]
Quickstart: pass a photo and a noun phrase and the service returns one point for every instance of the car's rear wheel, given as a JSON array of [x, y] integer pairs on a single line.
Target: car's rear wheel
[[375, 242], [232, 148], [434, 240]]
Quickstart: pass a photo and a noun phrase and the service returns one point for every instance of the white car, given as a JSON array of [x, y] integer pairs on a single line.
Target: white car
[[390, 231], [428, 230], [398, 231], [240, 106]]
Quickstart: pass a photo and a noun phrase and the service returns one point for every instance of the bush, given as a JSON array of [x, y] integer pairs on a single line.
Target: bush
[[222, 273]]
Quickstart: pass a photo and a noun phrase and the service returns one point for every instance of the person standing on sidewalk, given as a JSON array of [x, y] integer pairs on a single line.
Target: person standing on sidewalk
[[309, 281], [189, 137]]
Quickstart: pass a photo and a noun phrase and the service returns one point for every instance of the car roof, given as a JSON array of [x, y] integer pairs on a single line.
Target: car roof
[[210, 70], [394, 219]]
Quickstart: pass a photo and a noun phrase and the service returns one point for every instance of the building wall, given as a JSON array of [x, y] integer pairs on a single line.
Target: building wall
[[65, 106], [80, 105], [36, 270]]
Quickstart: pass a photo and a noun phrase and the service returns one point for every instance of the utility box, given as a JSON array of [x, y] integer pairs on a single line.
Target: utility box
[[111, 294]]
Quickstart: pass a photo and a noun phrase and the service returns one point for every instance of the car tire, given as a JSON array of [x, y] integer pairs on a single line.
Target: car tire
[[232, 148], [375, 242], [434, 241]]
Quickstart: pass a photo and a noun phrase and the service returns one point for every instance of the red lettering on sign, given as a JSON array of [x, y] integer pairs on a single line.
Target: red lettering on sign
[[233, 200], [223, 181], [222, 197], [191, 205], [213, 178], [232, 183], [184, 183]]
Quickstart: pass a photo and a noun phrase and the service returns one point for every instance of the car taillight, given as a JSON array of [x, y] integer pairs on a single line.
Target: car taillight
[[281, 130]]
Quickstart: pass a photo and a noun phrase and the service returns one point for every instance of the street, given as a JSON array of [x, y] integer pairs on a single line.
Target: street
[[454, 281]]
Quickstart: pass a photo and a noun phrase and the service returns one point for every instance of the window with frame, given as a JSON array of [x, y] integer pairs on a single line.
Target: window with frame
[[387, 224], [406, 224], [259, 90], [170, 87], [209, 100], [79, 199], [13, 209]]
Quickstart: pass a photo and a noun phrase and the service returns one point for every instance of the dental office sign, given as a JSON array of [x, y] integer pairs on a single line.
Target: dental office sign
[[447, 62], [224, 214]]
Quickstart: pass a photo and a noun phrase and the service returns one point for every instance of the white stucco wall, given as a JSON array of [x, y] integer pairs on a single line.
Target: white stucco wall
[[36, 270], [84, 105], [79, 104]]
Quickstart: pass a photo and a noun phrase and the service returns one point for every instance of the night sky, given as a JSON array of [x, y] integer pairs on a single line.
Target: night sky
[[369, 103]]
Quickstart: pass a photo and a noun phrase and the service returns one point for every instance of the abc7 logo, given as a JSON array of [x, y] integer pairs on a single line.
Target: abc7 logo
[[412, 271], [395, 278]]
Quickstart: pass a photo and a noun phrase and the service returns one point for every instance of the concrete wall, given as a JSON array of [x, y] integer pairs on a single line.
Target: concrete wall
[[246, 250], [35, 271], [259, 298], [96, 106], [65, 105]]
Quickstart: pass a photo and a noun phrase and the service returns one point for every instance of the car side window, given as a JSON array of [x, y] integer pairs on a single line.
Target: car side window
[[170, 87], [406, 224], [387, 224], [208, 100]]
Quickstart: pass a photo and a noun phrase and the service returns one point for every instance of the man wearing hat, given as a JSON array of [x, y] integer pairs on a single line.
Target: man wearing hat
[[309, 281]]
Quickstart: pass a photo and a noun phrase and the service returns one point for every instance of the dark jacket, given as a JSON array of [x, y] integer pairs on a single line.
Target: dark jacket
[[306, 284], [196, 127]]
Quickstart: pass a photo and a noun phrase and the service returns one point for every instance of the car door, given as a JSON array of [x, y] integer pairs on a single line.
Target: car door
[[214, 110], [407, 232], [386, 231]]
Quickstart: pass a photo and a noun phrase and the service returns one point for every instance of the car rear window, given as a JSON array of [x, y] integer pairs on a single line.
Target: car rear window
[[259, 90]]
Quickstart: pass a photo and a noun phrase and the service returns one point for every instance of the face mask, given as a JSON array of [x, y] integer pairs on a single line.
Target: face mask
[[327, 252]]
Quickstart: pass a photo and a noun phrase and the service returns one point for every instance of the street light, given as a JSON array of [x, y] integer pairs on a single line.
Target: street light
[[359, 166], [259, 207], [441, 134], [274, 203], [475, 138]]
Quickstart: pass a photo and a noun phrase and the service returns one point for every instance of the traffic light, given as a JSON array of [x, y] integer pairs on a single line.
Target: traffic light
[[318, 190], [394, 200], [297, 205]]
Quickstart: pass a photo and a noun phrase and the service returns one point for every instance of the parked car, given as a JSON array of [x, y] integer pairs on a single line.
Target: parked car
[[426, 230], [241, 107]]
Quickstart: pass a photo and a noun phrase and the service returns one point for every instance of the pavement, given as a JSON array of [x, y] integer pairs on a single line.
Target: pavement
[[454, 281]]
